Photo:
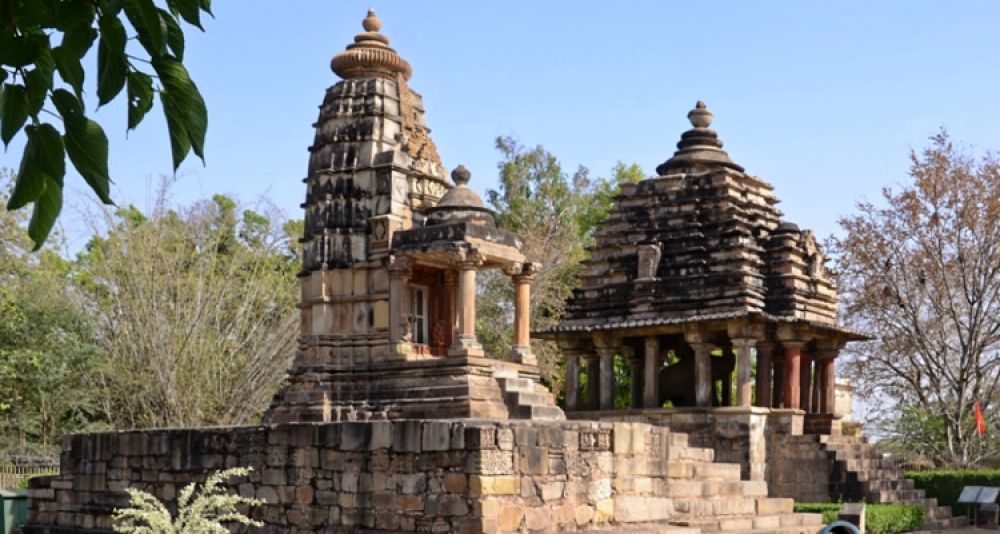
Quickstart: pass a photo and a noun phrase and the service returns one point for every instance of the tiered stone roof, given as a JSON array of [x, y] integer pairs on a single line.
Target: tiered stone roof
[[372, 155], [703, 240]]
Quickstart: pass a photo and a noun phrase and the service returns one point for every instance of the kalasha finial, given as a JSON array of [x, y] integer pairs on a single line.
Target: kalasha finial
[[371, 22], [370, 55], [461, 175], [700, 116]]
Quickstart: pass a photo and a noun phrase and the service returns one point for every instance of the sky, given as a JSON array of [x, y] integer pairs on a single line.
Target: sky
[[824, 100]]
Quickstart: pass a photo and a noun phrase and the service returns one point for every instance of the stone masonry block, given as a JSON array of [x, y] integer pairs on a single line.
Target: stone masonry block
[[406, 436], [436, 436], [481, 485]]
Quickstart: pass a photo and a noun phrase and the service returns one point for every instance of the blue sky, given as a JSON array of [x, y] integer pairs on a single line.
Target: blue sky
[[822, 99]]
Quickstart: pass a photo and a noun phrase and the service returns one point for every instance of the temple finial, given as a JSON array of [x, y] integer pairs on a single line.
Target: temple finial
[[371, 22], [461, 175], [370, 55], [700, 116]]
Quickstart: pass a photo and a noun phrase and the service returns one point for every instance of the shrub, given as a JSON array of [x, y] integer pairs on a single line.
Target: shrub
[[203, 512], [879, 518], [946, 485]]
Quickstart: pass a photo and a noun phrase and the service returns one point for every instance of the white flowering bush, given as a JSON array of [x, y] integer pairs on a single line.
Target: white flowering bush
[[202, 512]]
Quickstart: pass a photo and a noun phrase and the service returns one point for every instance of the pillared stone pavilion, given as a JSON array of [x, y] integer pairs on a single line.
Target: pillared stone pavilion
[[696, 261]]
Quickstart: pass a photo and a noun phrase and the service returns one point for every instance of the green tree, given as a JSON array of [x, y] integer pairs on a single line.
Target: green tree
[[922, 273], [556, 213], [196, 312], [47, 353], [42, 38]]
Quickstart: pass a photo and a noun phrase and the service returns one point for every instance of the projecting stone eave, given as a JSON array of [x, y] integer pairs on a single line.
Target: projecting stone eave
[[677, 325]]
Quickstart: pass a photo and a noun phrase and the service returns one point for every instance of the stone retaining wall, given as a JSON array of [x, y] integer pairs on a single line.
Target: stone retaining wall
[[737, 435], [432, 476]]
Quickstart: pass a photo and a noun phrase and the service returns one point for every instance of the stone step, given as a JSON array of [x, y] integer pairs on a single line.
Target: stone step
[[641, 529], [703, 470], [699, 454], [866, 464], [516, 384], [915, 496], [698, 488], [888, 484], [537, 413], [784, 523], [527, 398], [678, 439]]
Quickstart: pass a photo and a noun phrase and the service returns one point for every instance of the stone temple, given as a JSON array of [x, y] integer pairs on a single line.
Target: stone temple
[[393, 419]]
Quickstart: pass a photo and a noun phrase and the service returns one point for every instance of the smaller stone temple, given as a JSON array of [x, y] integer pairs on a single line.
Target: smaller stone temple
[[694, 275], [391, 254]]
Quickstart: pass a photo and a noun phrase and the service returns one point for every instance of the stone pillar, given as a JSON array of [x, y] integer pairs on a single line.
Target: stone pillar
[[744, 386], [727, 379], [828, 381], [792, 372], [466, 343], [522, 314], [607, 377], [572, 380], [703, 390], [764, 374], [777, 379], [399, 306], [805, 382], [451, 297], [636, 374], [651, 359], [593, 382]]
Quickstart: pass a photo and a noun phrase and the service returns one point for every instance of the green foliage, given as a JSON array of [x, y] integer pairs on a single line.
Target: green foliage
[[556, 213], [946, 485], [30, 58], [197, 511], [879, 518], [47, 353], [196, 312]]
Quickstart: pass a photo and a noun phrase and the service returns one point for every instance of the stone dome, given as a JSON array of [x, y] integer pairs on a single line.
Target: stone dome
[[460, 203]]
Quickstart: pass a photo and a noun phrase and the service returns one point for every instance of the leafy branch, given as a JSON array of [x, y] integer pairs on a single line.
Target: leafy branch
[[30, 61]]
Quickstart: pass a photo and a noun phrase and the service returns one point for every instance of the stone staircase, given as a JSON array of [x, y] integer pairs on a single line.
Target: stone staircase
[[862, 473], [527, 399], [711, 497]]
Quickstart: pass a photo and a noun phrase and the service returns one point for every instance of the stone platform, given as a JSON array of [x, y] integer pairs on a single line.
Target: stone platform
[[461, 476]]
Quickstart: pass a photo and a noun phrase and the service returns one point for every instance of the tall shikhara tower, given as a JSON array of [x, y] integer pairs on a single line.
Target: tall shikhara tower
[[390, 253]]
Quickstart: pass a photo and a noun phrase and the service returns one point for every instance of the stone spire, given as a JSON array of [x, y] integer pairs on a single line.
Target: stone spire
[[370, 55], [699, 145]]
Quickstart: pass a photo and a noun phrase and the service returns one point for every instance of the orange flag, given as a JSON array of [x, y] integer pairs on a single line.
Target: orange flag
[[980, 422]]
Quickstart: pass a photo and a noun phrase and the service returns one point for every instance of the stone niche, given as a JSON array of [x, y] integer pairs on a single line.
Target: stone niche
[[384, 476]]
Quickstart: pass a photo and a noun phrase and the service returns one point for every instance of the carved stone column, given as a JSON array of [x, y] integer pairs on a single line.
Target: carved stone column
[[451, 297], [572, 380], [764, 374], [727, 379], [607, 376], [805, 382], [826, 370], [651, 359], [703, 387], [792, 372], [522, 275], [593, 382], [744, 386], [635, 367], [466, 343], [399, 305]]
